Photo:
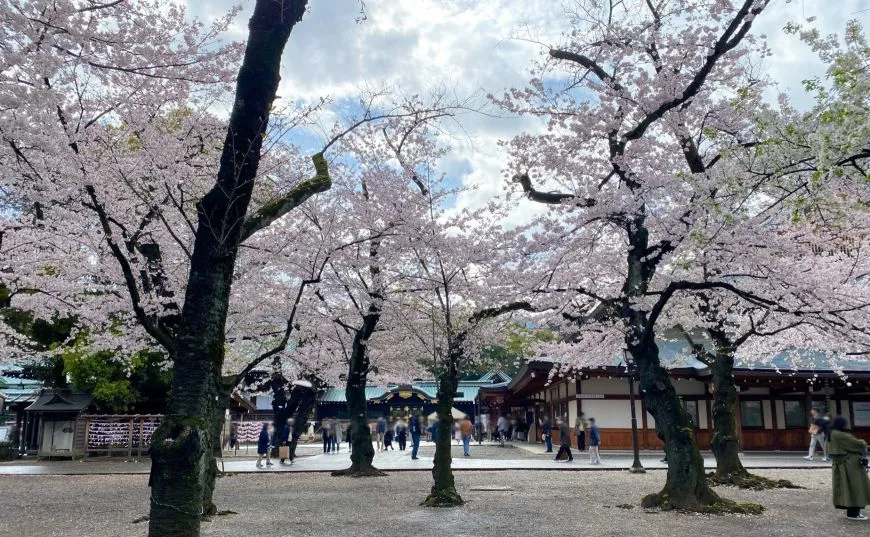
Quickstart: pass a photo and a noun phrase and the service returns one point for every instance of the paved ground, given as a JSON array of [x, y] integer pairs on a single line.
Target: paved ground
[[520, 456], [592, 504]]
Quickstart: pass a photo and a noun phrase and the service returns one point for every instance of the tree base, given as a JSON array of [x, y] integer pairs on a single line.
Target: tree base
[[745, 480], [359, 471], [443, 498], [719, 506]]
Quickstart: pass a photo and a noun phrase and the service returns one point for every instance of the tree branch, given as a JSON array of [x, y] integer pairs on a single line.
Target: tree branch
[[148, 323], [321, 182]]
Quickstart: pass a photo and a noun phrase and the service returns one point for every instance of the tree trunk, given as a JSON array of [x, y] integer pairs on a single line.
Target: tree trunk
[[724, 444], [686, 485], [724, 440], [362, 453], [182, 447], [303, 413], [208, 506], [444, 489]]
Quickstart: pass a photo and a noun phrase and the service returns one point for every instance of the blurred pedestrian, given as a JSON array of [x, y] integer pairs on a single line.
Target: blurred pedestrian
[[851, 486], [564, 441], [501, 425], [594, 442], [326, 434], [286, 435], [336, 433], [580, 430], [465, 430], [415, 430], [264, 446], [546, 433], [402, 434], [380, 430], [388, 438], [817, 434]]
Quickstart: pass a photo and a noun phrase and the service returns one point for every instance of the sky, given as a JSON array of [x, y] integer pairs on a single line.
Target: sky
[[478, 46]]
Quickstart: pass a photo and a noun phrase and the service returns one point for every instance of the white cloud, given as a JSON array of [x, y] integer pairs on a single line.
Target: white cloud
[[415, 45]]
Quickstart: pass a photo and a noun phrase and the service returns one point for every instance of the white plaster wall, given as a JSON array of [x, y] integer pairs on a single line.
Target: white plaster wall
[[780, 414], [572, 389], [702, 415], [572, 412], [768, 415], [612, 386], [615, 414]]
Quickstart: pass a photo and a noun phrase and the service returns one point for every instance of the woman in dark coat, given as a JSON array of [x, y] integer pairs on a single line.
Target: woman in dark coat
[[264, 443], [851, 484]]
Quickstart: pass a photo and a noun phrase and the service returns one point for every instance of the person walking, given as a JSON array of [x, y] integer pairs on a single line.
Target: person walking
[[380, 430], [465, 431], [547, 434], [414, 429], [402, 434], [501, 426], [594, 443], [478, 429], [264, 445], [326, 435], [388, 438], [433, 430], [335, 435], [234, 436], [851, 486], [286, 435], [817, 435], [580, 430], [564, 441]]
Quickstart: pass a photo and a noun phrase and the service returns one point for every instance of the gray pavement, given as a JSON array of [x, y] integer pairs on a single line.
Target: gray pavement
[[489, 457]]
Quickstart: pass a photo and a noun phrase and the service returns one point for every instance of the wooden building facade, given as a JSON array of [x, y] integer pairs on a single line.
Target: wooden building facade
[[772, 411]]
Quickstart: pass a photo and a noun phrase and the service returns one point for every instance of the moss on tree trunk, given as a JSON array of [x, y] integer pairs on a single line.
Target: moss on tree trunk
[[724, 443], [182, 447], [686, 486]]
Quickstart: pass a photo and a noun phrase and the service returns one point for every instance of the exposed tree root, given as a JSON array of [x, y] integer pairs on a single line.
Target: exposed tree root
[[719, 506], [356, 471], [443, 498], [746, 480]]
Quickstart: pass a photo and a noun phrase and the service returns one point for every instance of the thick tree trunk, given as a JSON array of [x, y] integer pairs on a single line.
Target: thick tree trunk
[[724, 440], [724, 444], [362, 453], [303, 414], [182, 447], [686, 485], [444, 488]]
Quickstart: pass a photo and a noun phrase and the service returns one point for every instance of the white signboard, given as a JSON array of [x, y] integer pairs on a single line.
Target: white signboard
[[861, 414], [590, 396]]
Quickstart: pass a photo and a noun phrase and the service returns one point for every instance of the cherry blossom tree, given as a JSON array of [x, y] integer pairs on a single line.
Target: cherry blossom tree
[[85, 87], [628, 98]]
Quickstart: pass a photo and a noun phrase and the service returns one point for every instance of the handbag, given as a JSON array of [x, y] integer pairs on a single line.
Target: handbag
[[284, 452]]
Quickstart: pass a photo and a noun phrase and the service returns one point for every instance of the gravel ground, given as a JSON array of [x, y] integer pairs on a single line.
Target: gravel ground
[[316, 505]]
